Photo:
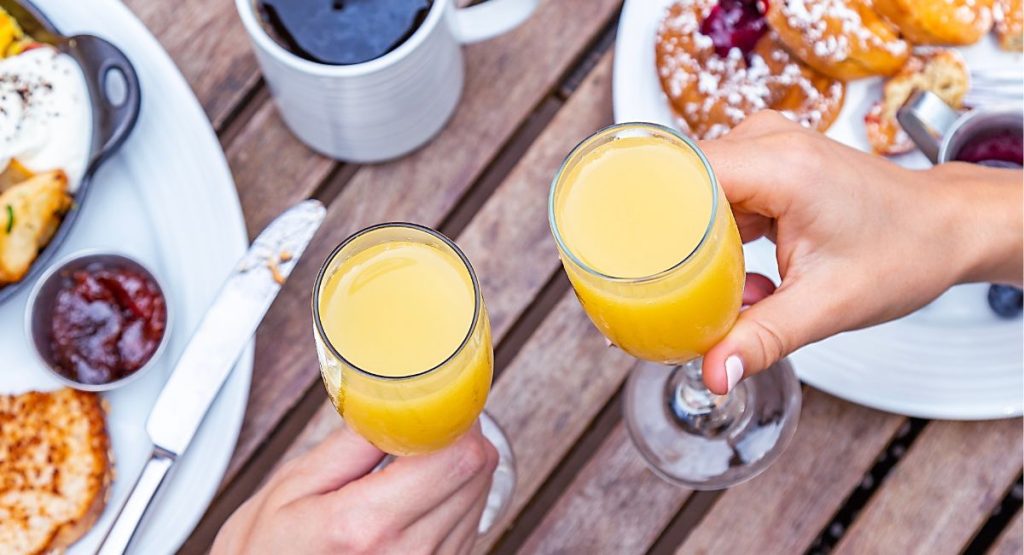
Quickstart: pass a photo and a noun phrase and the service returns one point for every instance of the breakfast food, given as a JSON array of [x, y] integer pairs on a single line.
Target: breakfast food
[[718, 63], [107, 322], [30, 212], [844, 39], [941, 71], [954, 22], [54, 469], [1009, 23], [45, 137], [13, 40]]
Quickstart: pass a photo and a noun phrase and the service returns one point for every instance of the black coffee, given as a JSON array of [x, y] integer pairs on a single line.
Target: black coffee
[[342, 32]]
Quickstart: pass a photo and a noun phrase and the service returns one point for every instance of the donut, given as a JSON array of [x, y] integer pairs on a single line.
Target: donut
[[1009, 20], [844, 39], [717, 67], [954, 22]]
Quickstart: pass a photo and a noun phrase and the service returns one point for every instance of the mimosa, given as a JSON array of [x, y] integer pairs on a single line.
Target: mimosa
[[398, 312], [630, 212], [650, 245]]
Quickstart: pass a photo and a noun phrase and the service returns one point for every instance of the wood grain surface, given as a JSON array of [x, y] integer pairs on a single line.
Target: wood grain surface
[[942, 491], [615, 491], [784, 509]]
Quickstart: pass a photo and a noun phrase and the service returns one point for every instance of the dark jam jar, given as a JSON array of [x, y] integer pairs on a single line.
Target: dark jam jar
[[98, 319], [342, 32]]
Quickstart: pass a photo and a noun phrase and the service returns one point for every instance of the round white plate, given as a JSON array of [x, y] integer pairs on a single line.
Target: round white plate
[[952, 359], [167, 199]]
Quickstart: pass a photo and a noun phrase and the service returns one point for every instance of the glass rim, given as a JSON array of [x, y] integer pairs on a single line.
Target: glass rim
[[321, 275], [713, 181]]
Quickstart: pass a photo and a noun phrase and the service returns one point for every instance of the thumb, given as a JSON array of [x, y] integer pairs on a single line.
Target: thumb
[[763, 334]]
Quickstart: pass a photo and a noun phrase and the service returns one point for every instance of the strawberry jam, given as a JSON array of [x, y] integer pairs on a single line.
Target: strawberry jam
[[736, 24], [1002, 148], [107, 323]]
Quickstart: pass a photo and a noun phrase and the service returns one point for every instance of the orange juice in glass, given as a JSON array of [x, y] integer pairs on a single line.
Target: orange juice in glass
[[404, 343], [650, 245], [624, 213]]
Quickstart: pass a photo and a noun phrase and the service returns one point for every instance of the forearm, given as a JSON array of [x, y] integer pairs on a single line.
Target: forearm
[[986, 208]]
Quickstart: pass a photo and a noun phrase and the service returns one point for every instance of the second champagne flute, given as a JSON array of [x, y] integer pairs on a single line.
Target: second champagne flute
[[405, 346], [652, 250]]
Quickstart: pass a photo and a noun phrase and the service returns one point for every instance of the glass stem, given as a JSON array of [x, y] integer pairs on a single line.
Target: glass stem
[[695, 407]]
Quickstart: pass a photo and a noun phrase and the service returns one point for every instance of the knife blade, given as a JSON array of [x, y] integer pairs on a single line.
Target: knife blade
[[207, 360]]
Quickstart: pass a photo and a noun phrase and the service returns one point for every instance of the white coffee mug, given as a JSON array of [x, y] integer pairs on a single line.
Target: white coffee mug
[[388, 106]]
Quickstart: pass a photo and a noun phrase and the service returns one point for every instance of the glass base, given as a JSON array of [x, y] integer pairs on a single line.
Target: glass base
[[503, 483], [705, 441]]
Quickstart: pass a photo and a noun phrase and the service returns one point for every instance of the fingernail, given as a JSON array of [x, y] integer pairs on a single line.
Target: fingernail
[[733, 371]]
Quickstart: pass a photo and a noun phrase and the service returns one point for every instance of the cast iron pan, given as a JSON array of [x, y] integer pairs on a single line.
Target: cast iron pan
[[115, 97]]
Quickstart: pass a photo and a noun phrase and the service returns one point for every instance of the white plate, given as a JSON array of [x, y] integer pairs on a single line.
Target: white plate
[[166, 198], [952, 359]]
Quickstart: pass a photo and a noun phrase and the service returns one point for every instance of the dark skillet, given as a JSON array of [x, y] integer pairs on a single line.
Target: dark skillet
[[115, 98]]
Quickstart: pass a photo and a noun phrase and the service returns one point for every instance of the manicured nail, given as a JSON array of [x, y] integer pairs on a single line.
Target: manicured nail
[[733, 371]]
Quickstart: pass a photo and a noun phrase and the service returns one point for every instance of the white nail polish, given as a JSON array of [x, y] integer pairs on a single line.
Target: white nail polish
[[733, 371]]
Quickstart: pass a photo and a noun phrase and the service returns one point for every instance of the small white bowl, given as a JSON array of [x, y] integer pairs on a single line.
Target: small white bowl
[[39, 310]]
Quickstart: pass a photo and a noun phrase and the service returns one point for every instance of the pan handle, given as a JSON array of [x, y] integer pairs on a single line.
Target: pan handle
[[114, 88]]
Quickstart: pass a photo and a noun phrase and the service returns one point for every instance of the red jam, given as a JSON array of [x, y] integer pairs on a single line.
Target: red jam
[[107, 323], [736, 24], [1001, 149]]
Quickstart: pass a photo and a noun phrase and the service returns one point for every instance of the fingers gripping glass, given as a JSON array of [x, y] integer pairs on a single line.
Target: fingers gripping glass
[[408, 410], [671, 316]]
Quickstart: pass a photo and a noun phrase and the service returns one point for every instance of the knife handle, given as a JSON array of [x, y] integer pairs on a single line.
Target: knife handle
[[130, 515]]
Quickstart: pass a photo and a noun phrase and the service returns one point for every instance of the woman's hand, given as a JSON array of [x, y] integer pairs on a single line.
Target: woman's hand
[[326, 501], [860, 240]]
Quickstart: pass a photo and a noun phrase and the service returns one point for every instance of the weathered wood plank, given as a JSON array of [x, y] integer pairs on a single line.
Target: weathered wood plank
[[506, 78], [941, 492], [615, 505], [509, 240], [549, 394], [272, 169], [784, 509], [209, 45], [1011, 541]]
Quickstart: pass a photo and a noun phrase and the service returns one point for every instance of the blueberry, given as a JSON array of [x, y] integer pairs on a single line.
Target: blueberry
[[1006, 301]]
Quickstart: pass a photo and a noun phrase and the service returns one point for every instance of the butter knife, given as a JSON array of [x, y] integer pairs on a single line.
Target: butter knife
[[207, 360]]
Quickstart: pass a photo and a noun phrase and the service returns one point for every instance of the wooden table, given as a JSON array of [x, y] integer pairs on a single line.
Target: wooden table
[[854, 479]]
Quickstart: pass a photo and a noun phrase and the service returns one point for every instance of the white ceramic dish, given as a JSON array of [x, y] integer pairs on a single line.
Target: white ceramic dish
[[952, 359], [167, 199]]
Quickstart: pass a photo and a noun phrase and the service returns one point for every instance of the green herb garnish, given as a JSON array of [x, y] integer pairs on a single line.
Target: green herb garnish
[[10, 218]]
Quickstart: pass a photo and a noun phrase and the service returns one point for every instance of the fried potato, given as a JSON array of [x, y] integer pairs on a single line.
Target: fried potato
[[13, 174], [12, 39], [29, 215]]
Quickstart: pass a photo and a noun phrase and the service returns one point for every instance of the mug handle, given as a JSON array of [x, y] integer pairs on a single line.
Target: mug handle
[[926, 118], [489, 19]]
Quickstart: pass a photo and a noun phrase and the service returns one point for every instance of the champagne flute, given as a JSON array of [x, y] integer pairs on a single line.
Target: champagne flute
[[651, 247], [404, 345]]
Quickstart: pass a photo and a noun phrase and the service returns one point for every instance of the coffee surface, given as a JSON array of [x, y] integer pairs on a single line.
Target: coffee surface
[[342, 32]]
